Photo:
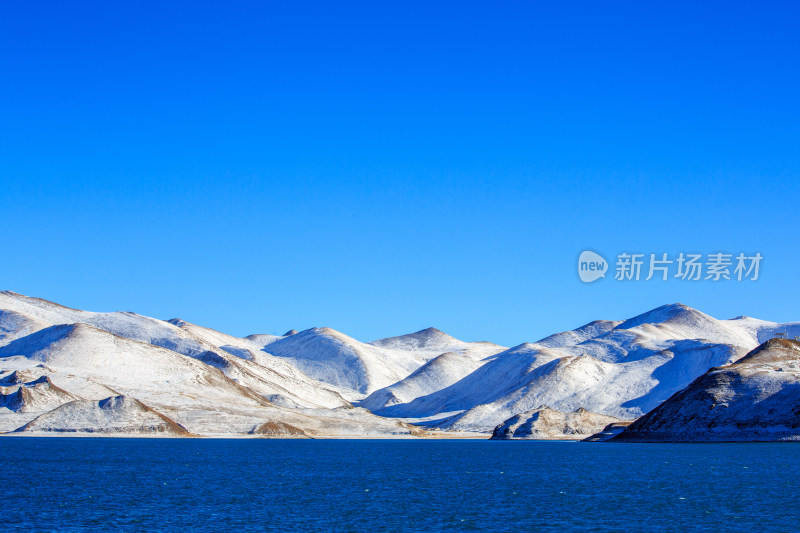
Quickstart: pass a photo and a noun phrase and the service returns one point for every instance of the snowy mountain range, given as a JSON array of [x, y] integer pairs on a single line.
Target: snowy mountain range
[[71, 371]]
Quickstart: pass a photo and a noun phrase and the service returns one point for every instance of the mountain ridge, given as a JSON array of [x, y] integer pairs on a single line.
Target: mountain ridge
[[320, 381]]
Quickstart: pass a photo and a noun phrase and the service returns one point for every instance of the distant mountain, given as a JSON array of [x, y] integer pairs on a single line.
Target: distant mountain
[[334, 358], [756, 398], [337, 359], [432, 341], [438, 373], [447, 361]]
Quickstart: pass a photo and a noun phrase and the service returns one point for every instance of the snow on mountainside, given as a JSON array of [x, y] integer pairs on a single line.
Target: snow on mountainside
[[301, 384], [481, 385], [755, 398], [184, 377], [548, 424], [332, 357], [240, 359], [124, 324], [219, 339], [151, 374], [680, 321], [431, 342], [762, 330], [335, 358], [274, 378], [577, 336], [436, 374], [624, 371], [14, 325], [448, 360]]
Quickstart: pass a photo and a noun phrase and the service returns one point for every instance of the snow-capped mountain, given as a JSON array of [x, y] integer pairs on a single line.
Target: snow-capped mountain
[[447, 360], [755, 398], [334, 358], [621, 369], [51, 355], [437, 374], [241, 359], [65, 368]]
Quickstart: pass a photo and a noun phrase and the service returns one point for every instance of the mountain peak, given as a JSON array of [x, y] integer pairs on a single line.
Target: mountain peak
[[428, 338], [325, 330], [664, 313], [430, 334], [430, 331]]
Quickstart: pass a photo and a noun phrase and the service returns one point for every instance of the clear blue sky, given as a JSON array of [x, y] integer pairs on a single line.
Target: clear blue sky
[[383, 167]]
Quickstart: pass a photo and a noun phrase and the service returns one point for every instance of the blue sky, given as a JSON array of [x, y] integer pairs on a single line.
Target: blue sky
[[383, 168]]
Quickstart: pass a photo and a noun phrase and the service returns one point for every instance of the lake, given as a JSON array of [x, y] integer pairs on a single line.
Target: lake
[[105, 484]]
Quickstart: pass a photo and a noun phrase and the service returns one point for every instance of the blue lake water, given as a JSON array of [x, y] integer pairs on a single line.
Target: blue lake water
[[80, 484]]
